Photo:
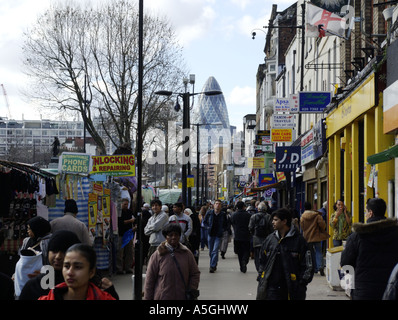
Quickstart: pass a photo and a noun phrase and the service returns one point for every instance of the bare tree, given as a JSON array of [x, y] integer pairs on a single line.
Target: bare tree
[[85, 60]]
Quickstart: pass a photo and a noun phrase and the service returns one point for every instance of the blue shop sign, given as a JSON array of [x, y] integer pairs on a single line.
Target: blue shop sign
[[314, 102], [288, 159]]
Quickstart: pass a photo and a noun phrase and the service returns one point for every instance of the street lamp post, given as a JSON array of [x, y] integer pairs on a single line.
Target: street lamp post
[[186, 199], [138, 247]]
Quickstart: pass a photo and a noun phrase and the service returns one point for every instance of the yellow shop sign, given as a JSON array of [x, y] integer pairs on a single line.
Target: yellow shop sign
[[115, 165]]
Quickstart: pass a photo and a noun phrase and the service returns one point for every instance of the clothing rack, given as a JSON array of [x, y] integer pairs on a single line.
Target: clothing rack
[[26, 168]]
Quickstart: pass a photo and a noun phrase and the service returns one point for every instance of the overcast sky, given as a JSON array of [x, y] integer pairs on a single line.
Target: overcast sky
[[215, 34]]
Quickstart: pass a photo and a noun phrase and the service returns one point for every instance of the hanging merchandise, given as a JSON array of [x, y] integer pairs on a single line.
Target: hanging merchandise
[[99, 213], [106, 215], [23, 188], [92, 212]]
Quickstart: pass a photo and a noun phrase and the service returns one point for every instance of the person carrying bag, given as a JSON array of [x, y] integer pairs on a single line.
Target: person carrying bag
[[190, 293], [29, 262]]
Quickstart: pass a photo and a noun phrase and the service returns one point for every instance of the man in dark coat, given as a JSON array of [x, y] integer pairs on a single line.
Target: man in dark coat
[[372, 251], [240, 222], [286, 263]]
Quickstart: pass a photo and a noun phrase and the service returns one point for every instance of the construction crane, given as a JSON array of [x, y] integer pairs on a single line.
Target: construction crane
[[6, 100]]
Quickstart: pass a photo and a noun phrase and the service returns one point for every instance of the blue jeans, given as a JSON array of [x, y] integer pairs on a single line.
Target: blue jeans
[[203, 237], [214, 246], [317, 249]]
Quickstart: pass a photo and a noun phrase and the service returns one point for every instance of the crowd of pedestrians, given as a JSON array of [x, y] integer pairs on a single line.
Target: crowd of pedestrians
[[287, 249]]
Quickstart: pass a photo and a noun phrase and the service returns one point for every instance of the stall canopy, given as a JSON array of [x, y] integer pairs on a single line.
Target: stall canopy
[[383, 156], [169, 195]]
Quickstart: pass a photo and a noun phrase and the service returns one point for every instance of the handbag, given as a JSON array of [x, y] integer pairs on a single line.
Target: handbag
[[30, 260], [190, 293]]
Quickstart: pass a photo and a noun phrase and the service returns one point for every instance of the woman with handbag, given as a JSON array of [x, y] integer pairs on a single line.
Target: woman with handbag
[[39, 233], [172, 272], [33, 252]]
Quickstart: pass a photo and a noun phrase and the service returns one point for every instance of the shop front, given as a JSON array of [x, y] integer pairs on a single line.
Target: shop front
[[354, 130]]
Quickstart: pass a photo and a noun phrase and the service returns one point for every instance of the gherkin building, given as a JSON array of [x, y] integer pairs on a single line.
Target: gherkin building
[[212, 109], [212, 114]]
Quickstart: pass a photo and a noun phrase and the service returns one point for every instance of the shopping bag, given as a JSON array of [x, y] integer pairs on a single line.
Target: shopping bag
[[127, 237], [26, 264]]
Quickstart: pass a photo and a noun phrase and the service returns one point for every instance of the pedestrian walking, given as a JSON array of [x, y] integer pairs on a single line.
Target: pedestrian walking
[[227, 234], [172, 269], [70, 222], [323, 211], [260, 226], [216, 223], [340, 221], [146, 214], [391, 292], [286, 266], [154, 226], [125, 251], [314, 232], [203, 229], [372, 251], [183, 220], [240, 221], [194, 238], [274, 206]]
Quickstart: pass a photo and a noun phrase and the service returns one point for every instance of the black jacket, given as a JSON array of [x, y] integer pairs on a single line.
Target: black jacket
[[216, 223], [287, 262], [372, 251], [240, 222], [391, 292]]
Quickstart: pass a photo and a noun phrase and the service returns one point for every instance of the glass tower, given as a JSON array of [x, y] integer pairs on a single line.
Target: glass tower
[[212, 113], [212, 109]]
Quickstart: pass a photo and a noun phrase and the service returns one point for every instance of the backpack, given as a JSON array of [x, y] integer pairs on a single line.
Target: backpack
[[262, 227]]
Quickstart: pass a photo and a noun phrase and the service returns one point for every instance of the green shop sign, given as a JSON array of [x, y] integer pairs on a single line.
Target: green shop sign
[[75, 163]]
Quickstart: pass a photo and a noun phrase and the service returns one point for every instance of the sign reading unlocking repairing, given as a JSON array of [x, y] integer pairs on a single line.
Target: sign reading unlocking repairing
[[115, 165]]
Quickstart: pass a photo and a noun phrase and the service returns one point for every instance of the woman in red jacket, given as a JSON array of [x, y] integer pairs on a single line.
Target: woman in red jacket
[[79, 268]]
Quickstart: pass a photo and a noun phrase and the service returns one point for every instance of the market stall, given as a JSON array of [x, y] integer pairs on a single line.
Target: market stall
[[25, 192]]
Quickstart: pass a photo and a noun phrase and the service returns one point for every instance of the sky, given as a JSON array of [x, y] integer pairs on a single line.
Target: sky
[[215, 36]]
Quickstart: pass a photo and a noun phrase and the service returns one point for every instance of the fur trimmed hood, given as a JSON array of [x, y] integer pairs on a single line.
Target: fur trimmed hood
[[163, 250], [367, 228]]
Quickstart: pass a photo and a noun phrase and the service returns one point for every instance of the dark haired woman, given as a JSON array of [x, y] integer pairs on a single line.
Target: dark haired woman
[[78, 271], [172, 268]]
